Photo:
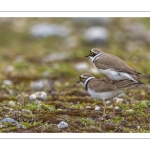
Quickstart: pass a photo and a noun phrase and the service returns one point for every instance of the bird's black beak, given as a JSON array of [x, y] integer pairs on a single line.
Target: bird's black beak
[[78, 82], [87, 56]]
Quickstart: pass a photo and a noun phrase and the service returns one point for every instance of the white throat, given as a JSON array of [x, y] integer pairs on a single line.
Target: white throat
[[93, 58]]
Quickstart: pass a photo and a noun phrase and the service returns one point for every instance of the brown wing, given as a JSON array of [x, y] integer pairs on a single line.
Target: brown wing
[[99, 85], [107, 61], [125, 84]]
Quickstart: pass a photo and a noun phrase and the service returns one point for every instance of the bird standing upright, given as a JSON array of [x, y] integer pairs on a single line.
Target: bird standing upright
[[112, 66], [103, 90]]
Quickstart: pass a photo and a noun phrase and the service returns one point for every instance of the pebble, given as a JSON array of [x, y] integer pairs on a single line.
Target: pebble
[[42, 85], [62, 125], [129, 110], [55, 56], [88, 107], [46, 29], [11, 103], [108, 102], [97, 108], [117, 108], [81, 66], [138, 127], [38, 96], [119, 101], [96, 35], [10, 120], [7, 82], [27, 111], [9, 68]]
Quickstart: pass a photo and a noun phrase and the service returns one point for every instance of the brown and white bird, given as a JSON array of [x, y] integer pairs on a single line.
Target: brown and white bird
[[103, 89], [112, 66]]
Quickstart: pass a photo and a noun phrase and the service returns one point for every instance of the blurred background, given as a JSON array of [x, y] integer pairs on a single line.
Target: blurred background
[[48, 54], [55, 48]]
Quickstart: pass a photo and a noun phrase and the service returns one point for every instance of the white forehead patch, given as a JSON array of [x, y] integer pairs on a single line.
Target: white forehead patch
[[82, 76], [92, 50]]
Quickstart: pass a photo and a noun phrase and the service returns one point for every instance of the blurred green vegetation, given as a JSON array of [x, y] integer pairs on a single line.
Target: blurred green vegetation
[[25, 54]]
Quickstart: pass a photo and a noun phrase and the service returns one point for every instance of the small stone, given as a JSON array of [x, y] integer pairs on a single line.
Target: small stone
[[9, 120], [9, 68], [108, 102], [7, 82], [1, 125], [38, 96], [62, 125], [87, 107], [117, 108], [129, 110], [19, 125], [119, 101], [46, 29], [42, 85], [96, 35], [97, 108], [138, 127], [27, 111], [11, 103], [81, 66]]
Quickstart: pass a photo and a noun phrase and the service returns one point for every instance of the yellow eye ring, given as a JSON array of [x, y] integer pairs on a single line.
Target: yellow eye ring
[[91, 53]]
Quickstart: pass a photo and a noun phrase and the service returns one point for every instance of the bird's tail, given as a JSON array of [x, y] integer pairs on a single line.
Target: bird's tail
[[133, 85]]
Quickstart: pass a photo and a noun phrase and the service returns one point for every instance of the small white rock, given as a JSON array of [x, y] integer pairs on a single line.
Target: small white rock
[[138, 127], [10, 120], [11, 103], [46, 29], [129, 110], [7, 82], [97, 108], [9, 68], [108, 102], [88, 107], [42, 85], [119, 100], [117, 108], [62, 125], [38, 96], [96, 34]]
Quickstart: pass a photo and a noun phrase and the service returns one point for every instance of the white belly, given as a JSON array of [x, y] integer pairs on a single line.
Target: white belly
[[104, 95], [114, 75]]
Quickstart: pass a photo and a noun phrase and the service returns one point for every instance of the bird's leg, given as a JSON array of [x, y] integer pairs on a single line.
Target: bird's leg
[[114, 104], [104, 111]]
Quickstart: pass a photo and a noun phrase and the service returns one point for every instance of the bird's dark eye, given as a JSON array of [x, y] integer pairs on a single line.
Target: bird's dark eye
[[81, 79], [91, 54]]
